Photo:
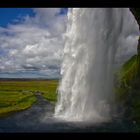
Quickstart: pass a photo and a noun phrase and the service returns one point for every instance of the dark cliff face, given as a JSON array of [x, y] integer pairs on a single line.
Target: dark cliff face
[[127, 90], [136, 13]]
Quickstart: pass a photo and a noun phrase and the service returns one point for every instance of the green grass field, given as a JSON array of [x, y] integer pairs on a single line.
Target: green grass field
[[17, 95]]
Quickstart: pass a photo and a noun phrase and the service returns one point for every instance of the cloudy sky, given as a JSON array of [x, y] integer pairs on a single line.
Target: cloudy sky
[[31, 41]]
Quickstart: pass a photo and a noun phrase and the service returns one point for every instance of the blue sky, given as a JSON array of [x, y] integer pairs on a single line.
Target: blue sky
[[31, 42], [8, 15]]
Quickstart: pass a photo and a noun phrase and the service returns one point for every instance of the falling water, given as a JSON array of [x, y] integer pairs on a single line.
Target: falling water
[[92, 39]]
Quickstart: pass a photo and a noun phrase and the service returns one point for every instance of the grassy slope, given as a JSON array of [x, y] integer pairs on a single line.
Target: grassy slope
[[128, 70], [128, 90], [18, 95], [125, 77]]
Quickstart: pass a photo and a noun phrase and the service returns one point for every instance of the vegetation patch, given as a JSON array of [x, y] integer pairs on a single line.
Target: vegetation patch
[[15, 101], [16, 95], [125, 77], [128, 90]]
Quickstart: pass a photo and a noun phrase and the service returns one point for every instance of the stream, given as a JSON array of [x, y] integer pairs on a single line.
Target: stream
[[39, 118]]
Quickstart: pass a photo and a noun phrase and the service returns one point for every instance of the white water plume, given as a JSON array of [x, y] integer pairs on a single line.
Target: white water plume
[[92, 40]]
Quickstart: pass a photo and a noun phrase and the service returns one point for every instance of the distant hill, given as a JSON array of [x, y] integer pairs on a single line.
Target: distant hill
[[24, 79]]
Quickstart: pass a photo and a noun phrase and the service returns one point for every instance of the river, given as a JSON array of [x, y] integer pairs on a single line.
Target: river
[[39, 118]]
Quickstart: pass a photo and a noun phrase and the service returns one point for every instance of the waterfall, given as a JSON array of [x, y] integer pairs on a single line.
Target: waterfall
[[93, 37]]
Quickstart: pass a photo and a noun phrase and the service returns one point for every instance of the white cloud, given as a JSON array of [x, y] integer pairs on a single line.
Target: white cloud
[[36, 43], [128, 39]]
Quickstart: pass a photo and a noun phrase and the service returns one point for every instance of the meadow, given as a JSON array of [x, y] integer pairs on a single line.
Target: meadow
[[16, 95]]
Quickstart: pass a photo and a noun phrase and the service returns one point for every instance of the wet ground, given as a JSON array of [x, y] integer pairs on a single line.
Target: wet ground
[[39, 118]]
